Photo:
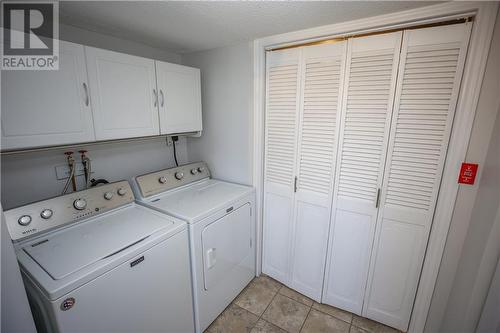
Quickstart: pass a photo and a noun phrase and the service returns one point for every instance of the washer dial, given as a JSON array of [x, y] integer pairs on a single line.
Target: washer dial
[[46, 214], [80, 204], [24, 220], [121, 191]]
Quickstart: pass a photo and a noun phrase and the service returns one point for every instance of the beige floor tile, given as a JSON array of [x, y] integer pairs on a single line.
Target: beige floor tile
[[371, 326], [257, 295], [355, 329], [295, 296], [233, 319], [267, 282], [319, 322], [286, 313], [263, 326], [333, 311]]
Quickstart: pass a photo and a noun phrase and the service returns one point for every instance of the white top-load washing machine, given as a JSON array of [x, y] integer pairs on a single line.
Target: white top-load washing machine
[[95, 261], [221, 222]]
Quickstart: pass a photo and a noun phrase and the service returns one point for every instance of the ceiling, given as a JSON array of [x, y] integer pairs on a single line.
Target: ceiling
[[189, 26]]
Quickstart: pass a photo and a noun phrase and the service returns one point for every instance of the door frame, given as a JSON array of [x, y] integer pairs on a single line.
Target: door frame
[[484, 14]]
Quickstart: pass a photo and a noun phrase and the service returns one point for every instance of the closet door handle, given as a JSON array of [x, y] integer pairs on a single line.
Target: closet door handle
[[377, 201], [162, 98], [87, 98], [295, 184], [155, 98]]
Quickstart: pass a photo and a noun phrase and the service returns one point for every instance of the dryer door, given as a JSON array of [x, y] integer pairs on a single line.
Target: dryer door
[[227, 242]]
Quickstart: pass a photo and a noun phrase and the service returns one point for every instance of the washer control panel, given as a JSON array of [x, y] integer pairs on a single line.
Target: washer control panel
[[164, 180], [40, 216]]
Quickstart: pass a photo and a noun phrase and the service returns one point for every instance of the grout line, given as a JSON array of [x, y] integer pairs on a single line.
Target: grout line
[[324, 312], [307, 316], [272, 299]]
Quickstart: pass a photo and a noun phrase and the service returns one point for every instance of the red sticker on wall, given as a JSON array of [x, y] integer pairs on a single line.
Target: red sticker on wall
[[467, 173]]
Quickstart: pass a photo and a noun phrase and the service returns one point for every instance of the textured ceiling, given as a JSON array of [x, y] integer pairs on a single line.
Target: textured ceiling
[[188, 26]]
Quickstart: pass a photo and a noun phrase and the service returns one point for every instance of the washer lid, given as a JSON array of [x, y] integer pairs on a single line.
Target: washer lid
[[70, 250], [199, 200]]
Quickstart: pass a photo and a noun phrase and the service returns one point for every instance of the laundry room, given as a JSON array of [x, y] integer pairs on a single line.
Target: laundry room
[[250, 166]]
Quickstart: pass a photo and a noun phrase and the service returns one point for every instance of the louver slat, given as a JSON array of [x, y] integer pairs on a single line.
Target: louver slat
[[319, 117], [424, 122], [281, 123], [366, 115]]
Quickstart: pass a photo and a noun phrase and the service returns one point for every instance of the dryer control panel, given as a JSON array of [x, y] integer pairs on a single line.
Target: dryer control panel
[[32, 219], [164, 180]]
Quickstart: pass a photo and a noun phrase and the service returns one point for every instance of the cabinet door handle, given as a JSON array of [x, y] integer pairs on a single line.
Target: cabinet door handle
[[85, 88], [155, 98], [162, 98]]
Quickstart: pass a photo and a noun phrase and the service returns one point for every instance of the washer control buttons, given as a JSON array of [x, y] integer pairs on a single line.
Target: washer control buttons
[[194, 171], [201, 169], [46, 214], [162, 180], [108, 195], [24, 220], [121, 191], [179, 175], [80, 204]]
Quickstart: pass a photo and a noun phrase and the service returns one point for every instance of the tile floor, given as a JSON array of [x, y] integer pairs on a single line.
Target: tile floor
[[265, 305]]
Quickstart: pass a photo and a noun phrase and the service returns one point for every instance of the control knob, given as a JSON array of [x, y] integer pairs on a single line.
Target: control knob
[[46, 214], [24, 220], [201, 169], [162, 179], [121, 191], [194, 171], [179, 175], [108, 195], [80, 204]]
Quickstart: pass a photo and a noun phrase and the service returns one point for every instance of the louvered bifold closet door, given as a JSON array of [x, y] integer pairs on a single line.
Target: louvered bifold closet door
[[322, 68], [282, 110], [371, 71], [430, 72]]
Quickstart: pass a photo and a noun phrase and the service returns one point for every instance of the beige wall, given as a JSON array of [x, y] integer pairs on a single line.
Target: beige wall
[[227, 98], [464, 276]]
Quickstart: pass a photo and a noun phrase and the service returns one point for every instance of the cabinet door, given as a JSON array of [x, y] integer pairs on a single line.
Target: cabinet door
[[282, 100], [43, 108], [123, 94], [429, 78], [371, 69], [179, 98], [321, 90]]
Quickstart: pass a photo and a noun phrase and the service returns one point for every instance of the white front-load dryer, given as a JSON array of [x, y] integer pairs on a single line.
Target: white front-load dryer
[[221, 223]]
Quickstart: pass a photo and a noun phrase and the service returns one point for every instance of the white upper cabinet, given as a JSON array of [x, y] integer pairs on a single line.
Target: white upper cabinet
[[179, 98], [42, 108], [124, 96]]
